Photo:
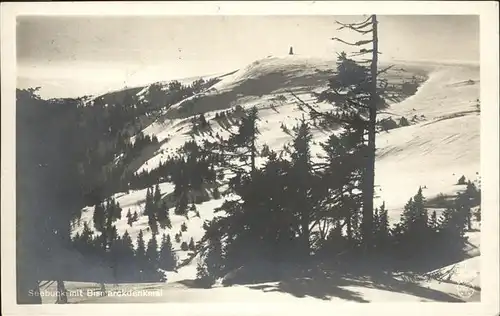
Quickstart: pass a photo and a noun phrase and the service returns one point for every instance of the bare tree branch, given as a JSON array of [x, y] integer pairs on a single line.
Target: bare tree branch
[[357, 28], [358, 24], [358, 43]]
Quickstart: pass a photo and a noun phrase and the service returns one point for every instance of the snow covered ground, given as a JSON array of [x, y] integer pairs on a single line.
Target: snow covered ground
[[432, 152]]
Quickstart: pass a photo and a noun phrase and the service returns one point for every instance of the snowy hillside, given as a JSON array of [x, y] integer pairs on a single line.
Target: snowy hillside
[[440, 145]]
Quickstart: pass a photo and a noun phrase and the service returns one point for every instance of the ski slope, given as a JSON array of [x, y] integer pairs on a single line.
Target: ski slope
[[433, 152]]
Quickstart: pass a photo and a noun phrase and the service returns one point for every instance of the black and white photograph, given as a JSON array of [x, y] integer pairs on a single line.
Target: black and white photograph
[[261, 158]]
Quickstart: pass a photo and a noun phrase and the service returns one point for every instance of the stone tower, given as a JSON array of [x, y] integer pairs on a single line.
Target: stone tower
[[291, 51]]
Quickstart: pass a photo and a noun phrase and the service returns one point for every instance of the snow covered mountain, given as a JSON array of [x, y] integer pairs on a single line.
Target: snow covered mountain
[[440, 144]]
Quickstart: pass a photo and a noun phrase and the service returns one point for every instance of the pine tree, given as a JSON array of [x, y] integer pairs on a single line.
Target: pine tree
[[214, 259], [130, 219], [184, 246], [358, 93], [140, 251], [403, 122], [128, 247], [376, 220], [168, 260], [181, 205], [117, 211], [245, 138], [216, 193], [87, 236], [192, 208], [157, 197], [183, 227], [383, 221], [148, 207], [177, 238], [163, 216], [477, 214], [463, 205], [433, 224], [265, 151], [202, 274], [153, 224], [99, 217], [422, 216], [150, 211], [382, 227], [408, 218], [302, 181], [152, 251], [135, 217], [462, 180], [452, 229], [191, 245], [203, 121]]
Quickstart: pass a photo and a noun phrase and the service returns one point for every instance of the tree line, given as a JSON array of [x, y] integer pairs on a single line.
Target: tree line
[[291, 208]]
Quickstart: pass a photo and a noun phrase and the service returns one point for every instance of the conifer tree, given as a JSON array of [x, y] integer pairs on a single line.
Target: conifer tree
[[135, 217], [157, 196], [403, 122], [433, 224], [357, 92], [463, 205], [302, 181], [184, 246], [214, 258], [421, 212], [382, 227], [462, 180], [452, 229], [150, 211], [99, 217], [153, 224], [86, 238], [117, 211], [191, 245], [163, 216], [192, 208], [148, 207], [130, 219], [152, 252], [140, 251], [216, 193], [182, 204], [477, 214], [245, 139], [202, 274], [168, 260], [128, 247]]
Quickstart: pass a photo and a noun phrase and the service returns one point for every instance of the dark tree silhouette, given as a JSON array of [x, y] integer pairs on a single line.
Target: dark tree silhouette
[[357, 92], [168, 260]]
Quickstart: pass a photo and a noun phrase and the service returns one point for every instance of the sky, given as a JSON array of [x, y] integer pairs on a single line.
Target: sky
[[75, 56]]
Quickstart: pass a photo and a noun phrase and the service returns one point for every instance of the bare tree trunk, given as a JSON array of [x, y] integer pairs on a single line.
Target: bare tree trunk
[[103, 289], [62, 297], [469, 220], [306, 234], [253, 149], [349, 227], [370, 161]]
